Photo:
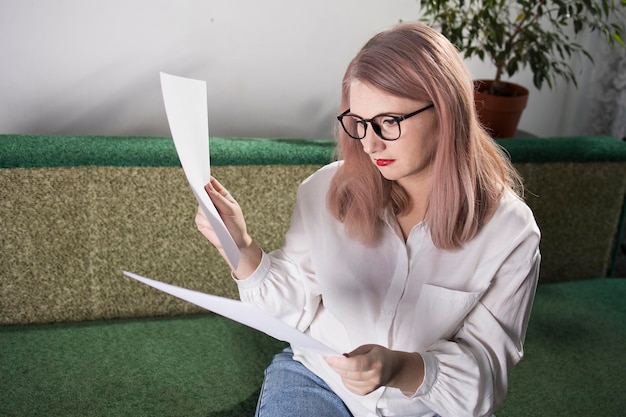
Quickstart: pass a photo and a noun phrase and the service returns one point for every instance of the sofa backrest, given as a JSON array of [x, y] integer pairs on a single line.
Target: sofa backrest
[[76, 211]]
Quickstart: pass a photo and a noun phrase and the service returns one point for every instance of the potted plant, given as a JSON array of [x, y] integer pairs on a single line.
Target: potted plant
[[516, 34]]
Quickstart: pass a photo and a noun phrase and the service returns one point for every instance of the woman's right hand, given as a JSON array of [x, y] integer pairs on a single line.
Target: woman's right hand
[[232, 216]]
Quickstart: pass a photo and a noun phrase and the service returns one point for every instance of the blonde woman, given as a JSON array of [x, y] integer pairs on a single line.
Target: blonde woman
[[414, 254]]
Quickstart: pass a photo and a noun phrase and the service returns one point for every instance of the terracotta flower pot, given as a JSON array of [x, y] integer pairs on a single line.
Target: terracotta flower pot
[[500, 114]]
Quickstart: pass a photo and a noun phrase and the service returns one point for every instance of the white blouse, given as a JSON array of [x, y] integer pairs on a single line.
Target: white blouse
[[465, 311]]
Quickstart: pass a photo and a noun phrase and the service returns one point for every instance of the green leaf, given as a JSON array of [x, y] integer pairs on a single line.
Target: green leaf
[[534, 34], [578, 25]]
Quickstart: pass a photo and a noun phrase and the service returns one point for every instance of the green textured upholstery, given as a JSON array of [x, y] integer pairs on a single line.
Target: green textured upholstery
[[207, 366], [76, 211]]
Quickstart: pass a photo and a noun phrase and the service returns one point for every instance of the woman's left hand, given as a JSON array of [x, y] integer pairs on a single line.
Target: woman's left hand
[[364, 369], [369, 367]]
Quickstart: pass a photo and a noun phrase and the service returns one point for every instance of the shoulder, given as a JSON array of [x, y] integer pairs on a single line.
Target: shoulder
[[312, 192], [320, 180], [511, 236], [512, 218], [513, 207]]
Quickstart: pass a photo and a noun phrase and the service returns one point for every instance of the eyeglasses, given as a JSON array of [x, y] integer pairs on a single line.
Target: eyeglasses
[[386, 126]]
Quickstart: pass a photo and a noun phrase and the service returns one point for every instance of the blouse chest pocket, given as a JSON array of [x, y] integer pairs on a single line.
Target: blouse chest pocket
[[439, 313]]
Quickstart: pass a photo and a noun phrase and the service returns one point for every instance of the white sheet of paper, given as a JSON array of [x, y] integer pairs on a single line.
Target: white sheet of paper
[[186, 108], [243, 313]]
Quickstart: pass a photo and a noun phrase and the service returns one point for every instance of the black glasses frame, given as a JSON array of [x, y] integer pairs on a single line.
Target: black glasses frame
[[375, 126]]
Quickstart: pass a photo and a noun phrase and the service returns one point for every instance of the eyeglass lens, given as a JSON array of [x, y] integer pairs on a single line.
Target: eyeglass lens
[[385, 126]]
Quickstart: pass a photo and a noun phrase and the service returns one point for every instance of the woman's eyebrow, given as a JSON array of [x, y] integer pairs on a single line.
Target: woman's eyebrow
[[388, 113]]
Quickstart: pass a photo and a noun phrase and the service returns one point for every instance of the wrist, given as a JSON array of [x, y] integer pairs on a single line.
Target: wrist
[[408, 372], [250, 259]]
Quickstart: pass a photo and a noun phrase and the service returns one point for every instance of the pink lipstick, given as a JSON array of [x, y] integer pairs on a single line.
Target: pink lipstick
[[384, 162]]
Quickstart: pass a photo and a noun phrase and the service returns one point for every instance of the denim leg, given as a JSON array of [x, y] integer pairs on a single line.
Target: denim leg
[[291, 390]]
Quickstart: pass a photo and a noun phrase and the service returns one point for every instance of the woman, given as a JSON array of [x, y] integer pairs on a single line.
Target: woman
[[414, 254]]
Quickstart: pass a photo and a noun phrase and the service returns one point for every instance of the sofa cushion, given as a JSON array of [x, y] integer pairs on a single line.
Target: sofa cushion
[[206, 365]]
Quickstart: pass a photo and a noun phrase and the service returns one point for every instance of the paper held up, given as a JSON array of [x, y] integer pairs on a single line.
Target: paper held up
[[243, 313], [185, 102]]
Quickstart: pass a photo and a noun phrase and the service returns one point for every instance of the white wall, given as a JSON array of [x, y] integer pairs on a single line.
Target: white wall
[[273, 67]]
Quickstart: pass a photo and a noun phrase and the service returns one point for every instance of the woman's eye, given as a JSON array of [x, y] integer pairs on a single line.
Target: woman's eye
[[388, 122]]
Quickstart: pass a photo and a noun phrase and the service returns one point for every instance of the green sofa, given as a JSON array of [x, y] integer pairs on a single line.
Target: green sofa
[[77, 338]]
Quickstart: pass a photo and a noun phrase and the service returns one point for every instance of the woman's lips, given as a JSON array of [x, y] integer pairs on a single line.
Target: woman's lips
[[384, 162]]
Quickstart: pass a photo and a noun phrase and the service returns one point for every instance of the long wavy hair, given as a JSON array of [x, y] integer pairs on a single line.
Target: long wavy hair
[[470, 171]]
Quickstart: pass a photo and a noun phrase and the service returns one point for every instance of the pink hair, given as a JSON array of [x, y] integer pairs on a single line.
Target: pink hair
[[470, 171]]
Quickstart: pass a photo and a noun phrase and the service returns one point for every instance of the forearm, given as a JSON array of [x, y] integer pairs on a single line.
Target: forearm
[[250, 259], [369, 367], [408, 372]]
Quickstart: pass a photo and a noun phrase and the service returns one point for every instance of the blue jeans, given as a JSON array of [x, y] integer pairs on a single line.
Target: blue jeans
[[291, 390]]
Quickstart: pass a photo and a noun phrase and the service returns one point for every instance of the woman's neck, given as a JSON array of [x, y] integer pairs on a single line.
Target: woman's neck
[[418, 193]]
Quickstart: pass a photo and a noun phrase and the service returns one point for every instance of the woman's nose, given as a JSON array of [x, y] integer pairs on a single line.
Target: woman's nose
[[371, 142]]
